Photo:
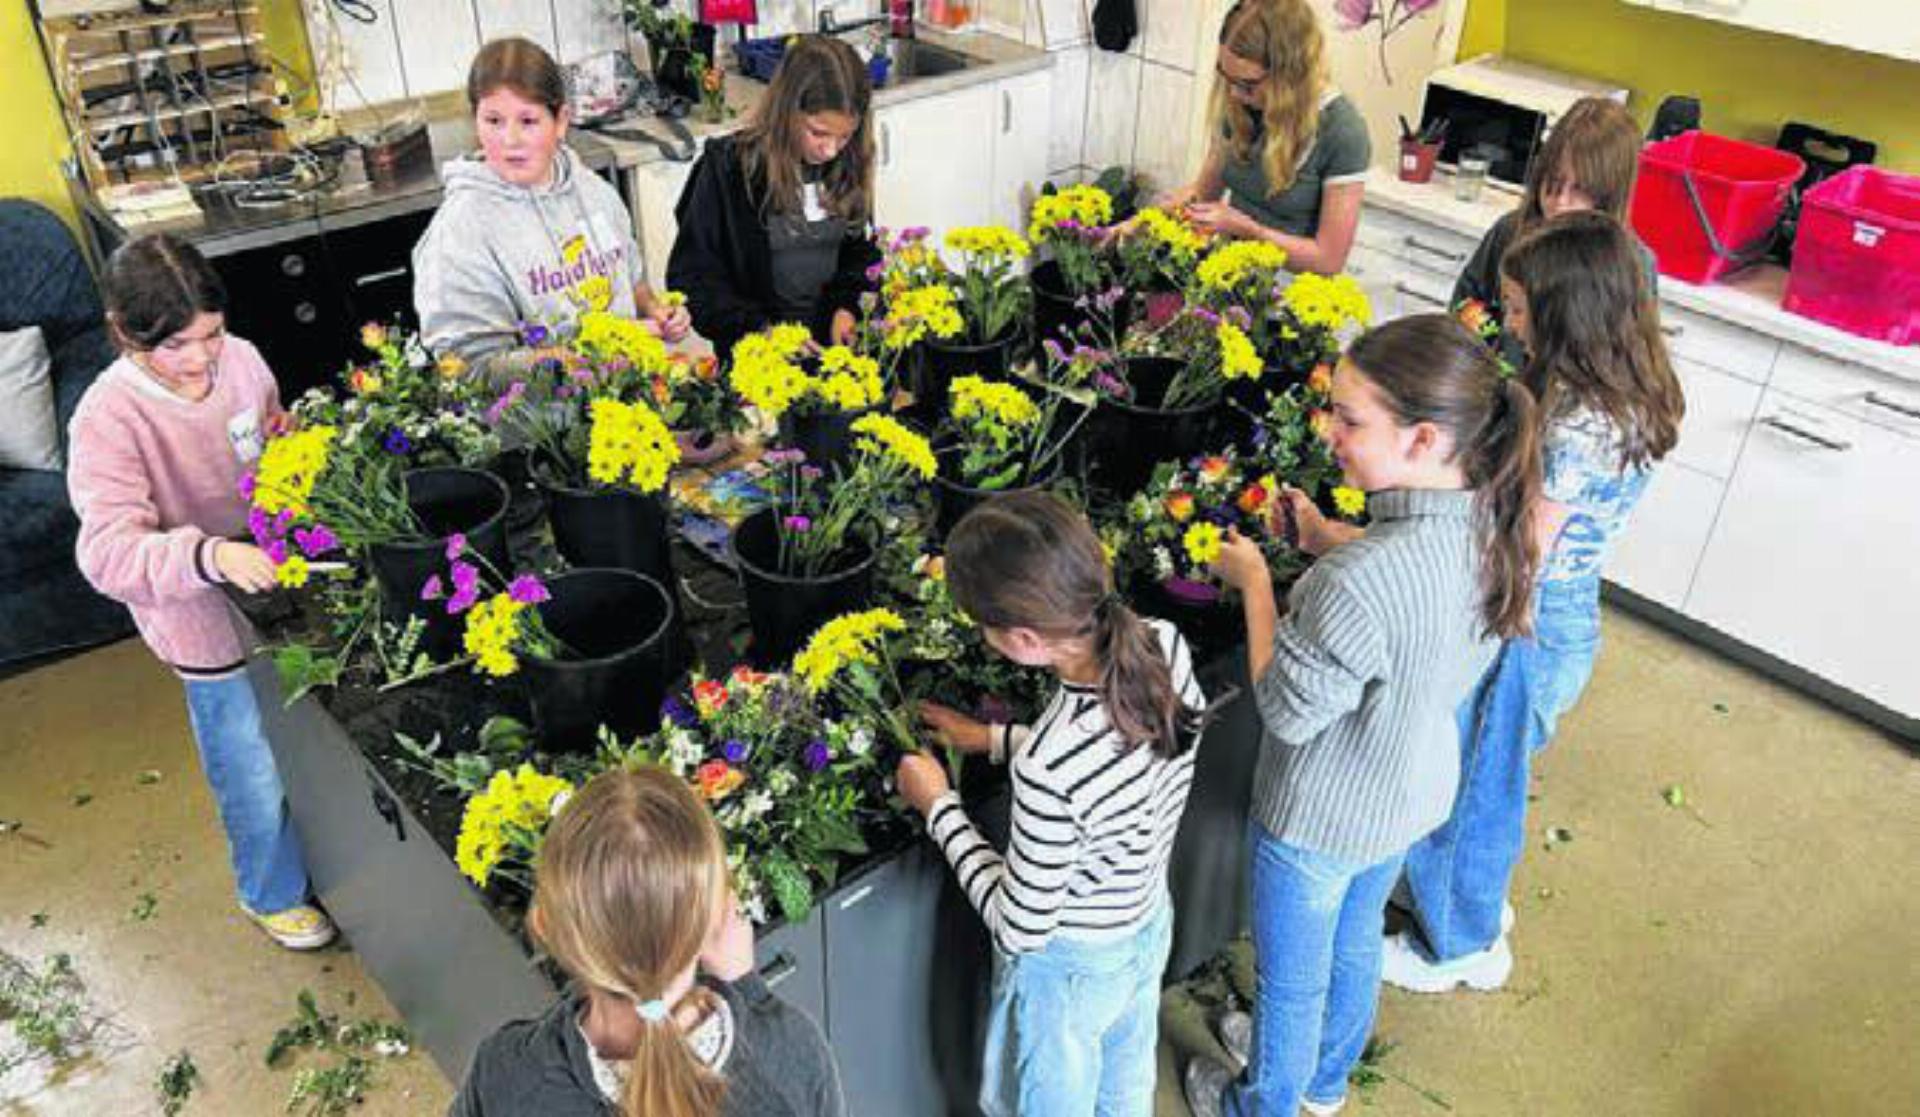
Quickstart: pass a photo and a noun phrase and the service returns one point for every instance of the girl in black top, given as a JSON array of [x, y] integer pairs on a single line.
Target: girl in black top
[[774, 223]]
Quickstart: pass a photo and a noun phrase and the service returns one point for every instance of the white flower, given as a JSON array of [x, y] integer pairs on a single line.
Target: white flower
[[391, 1048], [861, 743], [756, 806], [1162, 563], [780, 782], [684, 752]]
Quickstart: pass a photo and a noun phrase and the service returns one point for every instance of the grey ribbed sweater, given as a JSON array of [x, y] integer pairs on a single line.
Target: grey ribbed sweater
[[1380, 644]]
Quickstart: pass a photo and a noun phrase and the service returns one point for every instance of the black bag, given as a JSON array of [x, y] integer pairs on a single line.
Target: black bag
[[1115, 24]]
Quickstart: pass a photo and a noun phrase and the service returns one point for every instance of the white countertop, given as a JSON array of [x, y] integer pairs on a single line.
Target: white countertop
[[1751, 299]]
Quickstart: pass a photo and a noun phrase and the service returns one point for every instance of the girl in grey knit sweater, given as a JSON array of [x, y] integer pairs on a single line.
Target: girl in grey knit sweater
[[1358, 683]]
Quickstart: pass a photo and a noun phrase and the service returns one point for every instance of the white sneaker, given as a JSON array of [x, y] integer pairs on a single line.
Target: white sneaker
[[1506, 919], [1323, 1108], [1205, 1084], [1403, 965], [1236, 1035]]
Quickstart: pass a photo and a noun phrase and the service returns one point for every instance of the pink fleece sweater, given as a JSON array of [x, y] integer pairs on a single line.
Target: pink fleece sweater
[[155, 481]]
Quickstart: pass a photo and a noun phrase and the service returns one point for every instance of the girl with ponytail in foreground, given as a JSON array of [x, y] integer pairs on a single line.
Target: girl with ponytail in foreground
[[1078, 905], [667, 1016], [1358, 685]]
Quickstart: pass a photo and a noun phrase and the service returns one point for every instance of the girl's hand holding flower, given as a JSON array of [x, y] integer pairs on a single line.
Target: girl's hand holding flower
[[952, 729], [1240, 564], [921, 780]]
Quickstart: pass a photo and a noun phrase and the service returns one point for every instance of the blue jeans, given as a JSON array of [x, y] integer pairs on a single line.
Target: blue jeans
[[1073, 1026], [1316, 945], [268, 864], [1458, 874]]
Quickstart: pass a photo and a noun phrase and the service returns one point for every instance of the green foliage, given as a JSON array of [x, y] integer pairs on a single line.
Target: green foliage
[[330, 1090], [47, 1009], [178, 1077]]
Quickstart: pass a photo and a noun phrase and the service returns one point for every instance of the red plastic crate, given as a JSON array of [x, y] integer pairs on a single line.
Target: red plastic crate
[[1856, 257], [1708, 205]]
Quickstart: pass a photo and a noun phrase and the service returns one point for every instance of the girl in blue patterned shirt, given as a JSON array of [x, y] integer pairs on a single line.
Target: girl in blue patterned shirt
[[1575, 294]]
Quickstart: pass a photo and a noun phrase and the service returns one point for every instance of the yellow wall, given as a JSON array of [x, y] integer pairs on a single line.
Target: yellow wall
[[1748, 82], [35, 135]]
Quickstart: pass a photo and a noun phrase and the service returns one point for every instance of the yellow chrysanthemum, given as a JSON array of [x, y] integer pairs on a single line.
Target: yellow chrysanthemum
[[605, 336], [972, 396], [521, 800], [918, 311], [1329, 303], [847, 380], [289, 467], [1202, 542], [1185, 242], [292, 573], [845, 640], [882, 434], [1231, 264], [1238, 358], [1349, 502], [492, 627], [989, 240], [1087, 206], [630, 442], [766, 368]]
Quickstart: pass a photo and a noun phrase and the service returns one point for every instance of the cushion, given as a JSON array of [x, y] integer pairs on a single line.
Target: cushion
[[29, 430]]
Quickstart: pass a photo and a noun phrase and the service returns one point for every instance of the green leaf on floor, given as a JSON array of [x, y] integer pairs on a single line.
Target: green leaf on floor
[[82, 798], [1675, 795], [144, 905], [178, 1076], [329, 1090], [1557, 835], [1721, 708], [48, 1010], [148, 778], [37, 920]]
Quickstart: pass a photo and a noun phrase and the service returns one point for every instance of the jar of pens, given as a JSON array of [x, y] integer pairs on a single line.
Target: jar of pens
[[1420, 150]]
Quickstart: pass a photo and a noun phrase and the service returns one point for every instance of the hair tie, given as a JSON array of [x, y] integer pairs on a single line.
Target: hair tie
[[1107, 604], [652, 1011]]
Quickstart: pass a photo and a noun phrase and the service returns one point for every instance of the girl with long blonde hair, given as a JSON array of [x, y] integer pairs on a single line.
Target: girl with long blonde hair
[[667, 1015], [1287, 151]]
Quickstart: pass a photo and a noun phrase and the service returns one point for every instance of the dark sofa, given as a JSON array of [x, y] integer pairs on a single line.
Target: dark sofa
[[45, 605]]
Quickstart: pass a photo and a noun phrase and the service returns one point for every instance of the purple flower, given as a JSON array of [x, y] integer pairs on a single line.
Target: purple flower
[[528, 590], [249, 481], [1056, 352], [466, 577], [812, 472], [1207, 316], [1110, 384], [461, 601], [276, 550], [260, 527], [283, 521], [456, 546], [1106, 300], [433, 590], [1353, 14], [396, 442], [533, 334], [818, 755], [676, 712], [1238, 316], [497, 410], [784, 455], [316, 540], [875, 272], [734, 751], [797, 523]]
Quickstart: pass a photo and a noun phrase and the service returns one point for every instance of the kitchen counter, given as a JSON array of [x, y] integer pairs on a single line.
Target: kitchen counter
[[1751, 299]]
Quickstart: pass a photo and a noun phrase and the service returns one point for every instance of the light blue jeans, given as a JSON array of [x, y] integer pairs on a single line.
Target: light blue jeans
[[1459, 874], [1073, 1026], [269, 867], [1316, 944]]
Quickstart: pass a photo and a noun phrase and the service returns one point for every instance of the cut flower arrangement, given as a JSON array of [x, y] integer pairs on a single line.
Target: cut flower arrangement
[[1173, 529], [1000, 438], [1071, 224], [775, 372], [819, 516]]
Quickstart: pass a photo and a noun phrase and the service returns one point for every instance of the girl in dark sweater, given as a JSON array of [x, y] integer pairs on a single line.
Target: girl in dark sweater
[[774, 222], [631, 899]]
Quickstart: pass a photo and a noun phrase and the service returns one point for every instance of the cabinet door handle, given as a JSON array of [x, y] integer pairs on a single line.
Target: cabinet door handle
[[1805, 435], [1006, 111], [1419, 245], [1420, 296], [372, 278], [886, 146], [1898, 408], [779, 968]]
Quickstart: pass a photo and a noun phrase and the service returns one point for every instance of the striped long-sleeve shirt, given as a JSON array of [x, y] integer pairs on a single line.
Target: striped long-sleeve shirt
[[1381, 643], [1092, 824]]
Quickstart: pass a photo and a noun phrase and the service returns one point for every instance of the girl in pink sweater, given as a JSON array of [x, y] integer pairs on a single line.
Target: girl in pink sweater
[[158, 445]]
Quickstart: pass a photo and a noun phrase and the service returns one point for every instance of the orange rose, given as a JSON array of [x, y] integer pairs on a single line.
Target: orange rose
[[363, 382], [662, 394], [1180, 507], [1473, 314], [717, 779], [1320, 379], [747, 676], [1252, 498], [706, 367], [709, 697], [1321, 423], [1214, 469]]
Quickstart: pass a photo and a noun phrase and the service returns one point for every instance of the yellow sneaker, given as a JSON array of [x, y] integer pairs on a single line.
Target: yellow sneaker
[[303, 927]]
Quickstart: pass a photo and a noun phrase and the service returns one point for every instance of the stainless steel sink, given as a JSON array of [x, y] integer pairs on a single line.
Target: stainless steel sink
[[915, 59]]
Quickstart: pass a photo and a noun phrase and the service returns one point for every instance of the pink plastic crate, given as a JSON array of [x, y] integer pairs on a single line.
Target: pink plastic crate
[[1707, 205], [1856, 257]]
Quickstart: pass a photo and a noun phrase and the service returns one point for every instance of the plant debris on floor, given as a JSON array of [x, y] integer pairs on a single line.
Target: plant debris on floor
[[350, 1049], [47, 1012], [178, 1077]]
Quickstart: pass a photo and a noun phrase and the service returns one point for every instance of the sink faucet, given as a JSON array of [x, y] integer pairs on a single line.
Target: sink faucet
[[829, 24]]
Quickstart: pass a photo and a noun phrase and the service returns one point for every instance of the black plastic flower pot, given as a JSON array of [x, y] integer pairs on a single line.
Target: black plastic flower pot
[[825, 437], [1200, 610], [937, 363], [447, 501], [1058, 314], [1127, 438], [952, 499], [615, 626], [528, 505], [676, 68], [784, 609], [616, 528]]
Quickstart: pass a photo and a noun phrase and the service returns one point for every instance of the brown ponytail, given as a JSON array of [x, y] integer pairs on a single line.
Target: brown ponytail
[[1028, 560], [630, 877], [1431, 369]]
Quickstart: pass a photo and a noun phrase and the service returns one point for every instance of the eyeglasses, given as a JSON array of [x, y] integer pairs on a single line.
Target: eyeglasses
[[1245, 88]]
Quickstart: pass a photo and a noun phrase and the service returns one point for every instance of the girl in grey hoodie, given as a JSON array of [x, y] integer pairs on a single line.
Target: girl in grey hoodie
[[526, 235]]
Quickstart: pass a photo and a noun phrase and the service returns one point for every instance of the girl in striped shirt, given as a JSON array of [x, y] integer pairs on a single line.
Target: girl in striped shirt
[[1078, 905]]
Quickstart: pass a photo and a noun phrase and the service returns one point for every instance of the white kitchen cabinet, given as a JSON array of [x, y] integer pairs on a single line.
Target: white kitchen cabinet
[[1023, 121], [1658, 553], [936, 160], [656, 191], [1376, 272], [1720, 410], [1812, 558], [1879, 26]]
